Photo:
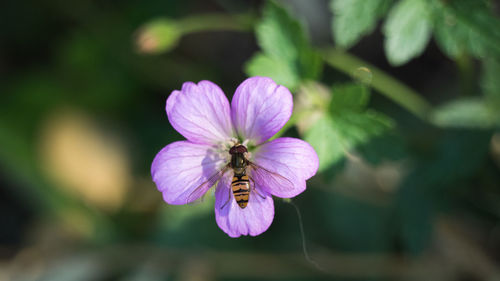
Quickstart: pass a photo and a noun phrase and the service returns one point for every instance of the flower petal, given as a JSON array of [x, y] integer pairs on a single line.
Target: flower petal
[[200, 112], [291, 158], [260, 108], [180, 167], [252, 220]]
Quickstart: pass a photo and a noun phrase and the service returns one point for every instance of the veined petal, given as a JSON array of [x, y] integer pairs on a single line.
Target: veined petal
[[291, 158], [260, 108], [253, 220], [180, 167], [200, 112]]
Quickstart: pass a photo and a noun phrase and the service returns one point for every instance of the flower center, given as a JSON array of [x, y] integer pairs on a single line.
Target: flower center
[[223, 149]]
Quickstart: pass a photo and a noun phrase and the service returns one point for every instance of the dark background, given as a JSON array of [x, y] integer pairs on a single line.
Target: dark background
[[82, 117]]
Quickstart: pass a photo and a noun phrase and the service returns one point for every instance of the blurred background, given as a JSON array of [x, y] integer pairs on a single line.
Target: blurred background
[[399, 98]]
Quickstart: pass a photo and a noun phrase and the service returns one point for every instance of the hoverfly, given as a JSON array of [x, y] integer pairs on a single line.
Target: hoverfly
[[243, 181]]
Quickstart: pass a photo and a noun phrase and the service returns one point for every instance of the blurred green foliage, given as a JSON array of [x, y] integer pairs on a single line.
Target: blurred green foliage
[[407, 31], [400, 182], [345, 124], [353, 19], [284, 45]]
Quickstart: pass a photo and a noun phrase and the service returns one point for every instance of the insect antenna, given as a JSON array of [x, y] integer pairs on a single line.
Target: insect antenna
[[303, 236]]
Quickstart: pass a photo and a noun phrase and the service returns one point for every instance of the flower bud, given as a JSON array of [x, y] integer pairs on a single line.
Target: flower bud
[[157, 36], [311, 102]]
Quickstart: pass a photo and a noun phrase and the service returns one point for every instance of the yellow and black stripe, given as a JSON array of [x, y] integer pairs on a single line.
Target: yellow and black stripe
[[241, 190]]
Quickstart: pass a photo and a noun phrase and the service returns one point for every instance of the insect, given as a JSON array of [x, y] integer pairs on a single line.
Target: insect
[[245, 174]]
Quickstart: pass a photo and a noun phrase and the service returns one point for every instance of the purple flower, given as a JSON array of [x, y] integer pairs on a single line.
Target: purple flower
[[202, 114]]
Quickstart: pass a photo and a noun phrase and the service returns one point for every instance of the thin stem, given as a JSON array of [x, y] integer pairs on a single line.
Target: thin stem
[[382, 82], [215, 22], [341, 60], [465, 66], [303, 236]]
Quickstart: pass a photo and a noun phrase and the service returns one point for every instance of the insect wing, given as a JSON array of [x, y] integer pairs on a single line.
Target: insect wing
[[197, 195], [262, 175]]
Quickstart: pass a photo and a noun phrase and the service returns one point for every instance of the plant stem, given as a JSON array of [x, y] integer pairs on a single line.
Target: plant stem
[[465, 65], [216, 22], [341, 60], [382, 82]]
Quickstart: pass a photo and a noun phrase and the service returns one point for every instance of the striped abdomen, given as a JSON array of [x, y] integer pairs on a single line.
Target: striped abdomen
[[241, 190]]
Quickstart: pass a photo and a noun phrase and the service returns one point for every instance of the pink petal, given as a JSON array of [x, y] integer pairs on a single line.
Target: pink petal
[[180, 167], [260, 108], [200, 112], [291, 158], [253, 220]]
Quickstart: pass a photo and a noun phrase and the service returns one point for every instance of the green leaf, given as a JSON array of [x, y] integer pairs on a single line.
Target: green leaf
[[478, 19], [359, 127], [467, 113], [455, 34], [490, 82], [281, 72], [346, 125], [349, 97], [355, 18], [278, 34], [310, 64], [326, 141], [454, 38], [407, 31], [284, 41]]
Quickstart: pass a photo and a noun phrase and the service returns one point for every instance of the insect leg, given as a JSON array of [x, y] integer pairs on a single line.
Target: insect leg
[[227, 201], [253, 188]]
